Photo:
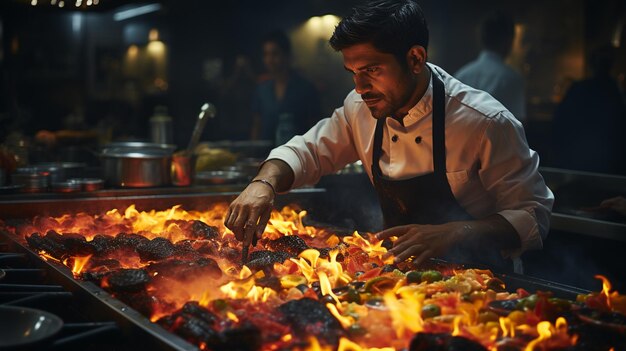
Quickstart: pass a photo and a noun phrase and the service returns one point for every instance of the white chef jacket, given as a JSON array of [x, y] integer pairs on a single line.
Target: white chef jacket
[[490, 73], [489, 165]]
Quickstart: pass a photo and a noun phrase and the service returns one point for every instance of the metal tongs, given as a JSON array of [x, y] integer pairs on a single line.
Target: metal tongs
[[246, 249]]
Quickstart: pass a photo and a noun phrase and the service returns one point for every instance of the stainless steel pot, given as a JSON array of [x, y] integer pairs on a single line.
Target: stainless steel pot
[[137, 166]]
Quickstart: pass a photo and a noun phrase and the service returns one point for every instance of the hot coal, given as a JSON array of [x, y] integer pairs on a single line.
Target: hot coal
[[205, 247], [309, 317], [290, 244], [266, 259], [194, 329], [194, 323], [155, 249], [184, 248], [201, 230], [51, 247], [443, 342], [128, 280], [179, 269], [130, 241], [77, 245], [104, 244], [140, 301], [194, 309]]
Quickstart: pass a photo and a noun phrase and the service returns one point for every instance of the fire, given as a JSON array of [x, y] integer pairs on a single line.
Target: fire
[[405, 312], [78, 263], [380, 306], [373, 249]]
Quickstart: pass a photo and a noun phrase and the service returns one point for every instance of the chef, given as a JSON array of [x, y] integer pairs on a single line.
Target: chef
[[451, 165]]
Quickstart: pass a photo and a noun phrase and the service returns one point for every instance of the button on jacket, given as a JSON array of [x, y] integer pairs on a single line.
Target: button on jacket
[[490, 167]]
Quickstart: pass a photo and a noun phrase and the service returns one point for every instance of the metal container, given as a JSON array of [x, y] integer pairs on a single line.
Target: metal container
[[137, 167], [61, 171], [67, 186], [32, 179], [88, 184]]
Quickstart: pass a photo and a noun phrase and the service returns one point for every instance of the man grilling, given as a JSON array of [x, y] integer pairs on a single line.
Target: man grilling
[[451, 165]]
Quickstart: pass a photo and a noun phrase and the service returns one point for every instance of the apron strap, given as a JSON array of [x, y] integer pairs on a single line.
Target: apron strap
[[378, 149], [439, 126]]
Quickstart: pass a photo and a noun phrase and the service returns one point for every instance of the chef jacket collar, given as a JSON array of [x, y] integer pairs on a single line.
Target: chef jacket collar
[[424, 107]]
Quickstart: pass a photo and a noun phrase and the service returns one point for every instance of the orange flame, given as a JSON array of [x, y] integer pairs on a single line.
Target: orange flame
[[79, 264]]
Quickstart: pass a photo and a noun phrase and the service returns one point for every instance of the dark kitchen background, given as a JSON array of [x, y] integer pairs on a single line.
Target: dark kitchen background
[[106, 65], [95, 71]]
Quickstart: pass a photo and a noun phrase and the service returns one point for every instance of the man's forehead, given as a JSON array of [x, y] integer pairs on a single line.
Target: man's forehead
[[364, 54]]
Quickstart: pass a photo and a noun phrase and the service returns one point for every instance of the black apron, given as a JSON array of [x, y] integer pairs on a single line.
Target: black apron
[[427, 199]]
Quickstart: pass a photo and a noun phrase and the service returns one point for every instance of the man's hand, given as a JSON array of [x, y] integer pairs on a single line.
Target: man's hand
[[423, 241], [248, 215], [426, 241]]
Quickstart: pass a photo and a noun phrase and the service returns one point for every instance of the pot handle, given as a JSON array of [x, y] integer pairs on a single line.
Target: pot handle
[[206, 111]]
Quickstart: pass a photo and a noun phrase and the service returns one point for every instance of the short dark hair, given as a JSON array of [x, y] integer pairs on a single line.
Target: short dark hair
[[391, 26], [279, 38], [497, 31]]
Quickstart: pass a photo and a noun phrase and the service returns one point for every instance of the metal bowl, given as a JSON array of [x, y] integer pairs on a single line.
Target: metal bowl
[[26, 327]]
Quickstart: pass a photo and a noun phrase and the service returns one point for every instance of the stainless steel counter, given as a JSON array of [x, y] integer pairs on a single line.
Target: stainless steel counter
[[575, 191]]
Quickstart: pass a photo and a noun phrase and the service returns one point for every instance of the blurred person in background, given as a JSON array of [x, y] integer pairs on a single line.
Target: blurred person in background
[[285, 104], [589, 126], [237, 90], [489, 71]]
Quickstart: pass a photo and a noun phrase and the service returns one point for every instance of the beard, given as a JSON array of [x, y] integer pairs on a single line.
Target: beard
[[378, 105]]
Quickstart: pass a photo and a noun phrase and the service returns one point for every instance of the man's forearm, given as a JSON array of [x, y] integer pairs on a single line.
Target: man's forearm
[[492, 231], [278, 173]]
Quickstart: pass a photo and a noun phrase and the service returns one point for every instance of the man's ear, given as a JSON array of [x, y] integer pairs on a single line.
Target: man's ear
[[416, 58]]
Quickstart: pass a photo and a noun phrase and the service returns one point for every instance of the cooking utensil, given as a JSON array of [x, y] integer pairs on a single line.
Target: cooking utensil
[[137, 169], [26, 327], [206, 111], [183, 162], [140, 167], [31, 179]]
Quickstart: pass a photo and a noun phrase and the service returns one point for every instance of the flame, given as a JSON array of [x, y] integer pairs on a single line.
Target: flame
[[372, 249], [47, 256], [79, 263], [544, 330], [548, 332], [508, 327], [313, 268], [346, 321], [232, 316], [347, 345], [406, 311]]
